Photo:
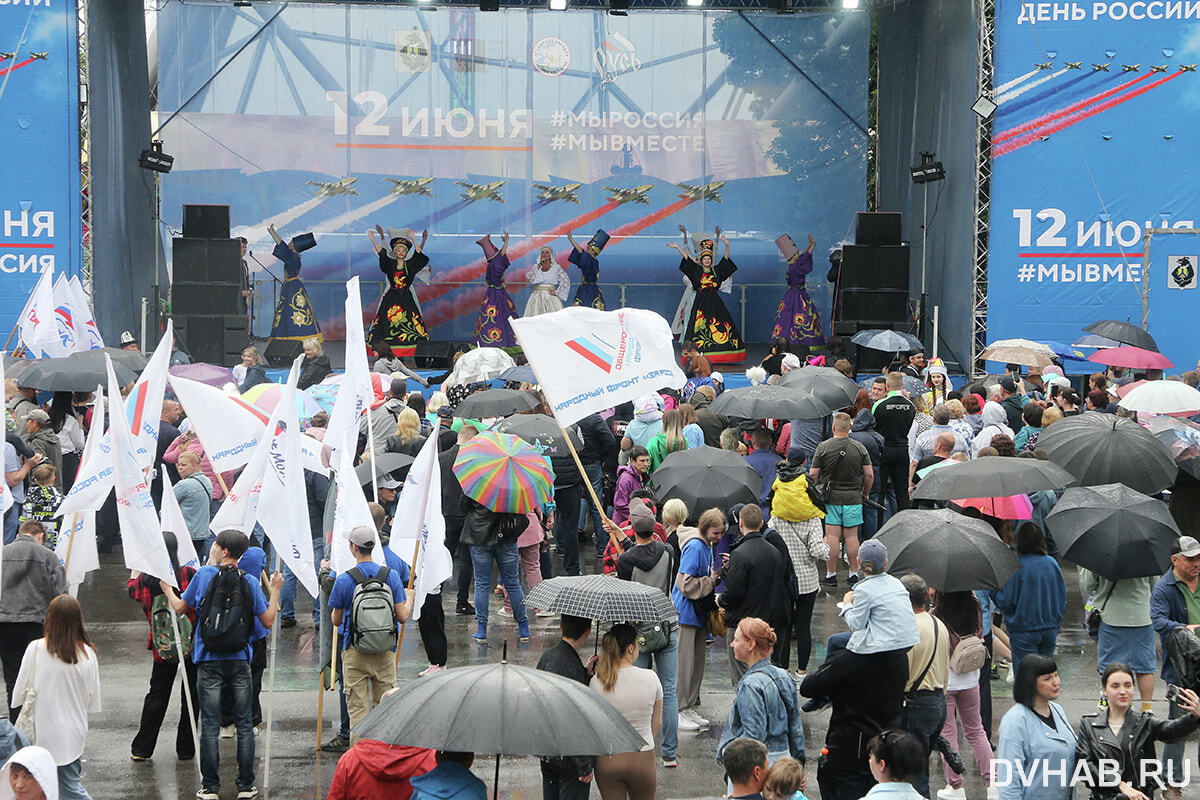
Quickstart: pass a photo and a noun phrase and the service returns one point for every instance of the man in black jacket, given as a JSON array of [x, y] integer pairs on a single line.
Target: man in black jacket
[[568, 778], [894, 416], [568, 490], [598, 442], [454, 510], [756, 584]]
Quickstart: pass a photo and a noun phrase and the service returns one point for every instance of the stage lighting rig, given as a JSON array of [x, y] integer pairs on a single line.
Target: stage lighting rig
[[155, 159], [928, 170]]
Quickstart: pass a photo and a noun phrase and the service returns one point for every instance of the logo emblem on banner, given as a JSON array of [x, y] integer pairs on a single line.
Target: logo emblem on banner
[[1181, 272], [615, 56], [551, 56], [413, 49], [595, 350]]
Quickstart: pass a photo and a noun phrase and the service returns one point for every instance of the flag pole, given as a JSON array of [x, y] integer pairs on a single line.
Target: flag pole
[[70, 544], [591, 489], [320, 705], [221, 482], [371, 445], [187, 685], [270, 712], [412, 576]]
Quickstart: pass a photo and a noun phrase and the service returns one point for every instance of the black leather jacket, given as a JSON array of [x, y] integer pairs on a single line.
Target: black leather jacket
[[1135, 744]]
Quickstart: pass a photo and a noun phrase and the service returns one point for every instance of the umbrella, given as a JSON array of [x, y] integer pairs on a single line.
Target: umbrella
[[602, 598], [1104, 448], [1162, 397], [1125, 389], [1123, 333], [1132, 357], [132, 359], [769, 402], [1094, 340], [326, 391], [1066, 352], [1016, 506], [829, 385], [1114, 531], [267, 395], [504, 473], [14, 366], [912, 385], [71, 374], [952, 552], [542, 432], [1182, 440], [1019, 351], [988, 477], [887, 341], [521, 374], [495, 403], [384, 464], [210, 374], [480, 364], [502, 709], [706, 477]]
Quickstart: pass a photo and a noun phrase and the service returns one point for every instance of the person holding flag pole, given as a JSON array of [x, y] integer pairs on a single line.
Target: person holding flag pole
[[78, 536]]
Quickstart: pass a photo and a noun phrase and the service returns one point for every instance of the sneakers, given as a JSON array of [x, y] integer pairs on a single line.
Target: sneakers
[[431, 669], [950, 793], [505, 612], [799, 674], [285, 622], [829, 580], [853, 578], [338, 744], [136, 757], [464, 610], [228, 731], [670, 763], [694, 718], [205, 794], [686, 724], [546, 614], [247, 794]]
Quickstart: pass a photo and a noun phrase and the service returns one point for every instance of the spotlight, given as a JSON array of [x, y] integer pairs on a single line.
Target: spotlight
[[928, 170], [849, 4], [558, 5], [984, 107], [155, 159], [695, 3]]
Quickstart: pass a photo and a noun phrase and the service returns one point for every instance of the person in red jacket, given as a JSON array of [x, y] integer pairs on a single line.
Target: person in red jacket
[[372, 769]]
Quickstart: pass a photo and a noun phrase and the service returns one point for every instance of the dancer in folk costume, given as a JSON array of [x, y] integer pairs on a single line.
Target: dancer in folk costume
[[710, 325], [398, 321], [797, 319], [493, 328], [294, 317], [587, 259], [550, 283]]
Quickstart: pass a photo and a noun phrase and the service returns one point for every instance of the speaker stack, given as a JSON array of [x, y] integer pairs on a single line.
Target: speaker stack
[[206, 296], [873, 289]]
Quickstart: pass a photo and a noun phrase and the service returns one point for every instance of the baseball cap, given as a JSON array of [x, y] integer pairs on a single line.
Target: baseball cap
[[790, 361], [1008, 384], [39, 416], [1188, 547], [641, 518], [873, 552], [361, 535], [717, 377], [388, 483]]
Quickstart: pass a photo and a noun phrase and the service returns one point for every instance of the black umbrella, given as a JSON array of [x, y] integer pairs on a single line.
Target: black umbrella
[[495, 403], [384, 464], [1123, 332], [770, 402], [542, 432], [911, 385], [521, 374], [952, 552], [1104, 448], [600, 597], [706, 477], [502, 709], [1113, 531], [72, 374], [128, 358], [826, 383], [988, 477], [887, 341]]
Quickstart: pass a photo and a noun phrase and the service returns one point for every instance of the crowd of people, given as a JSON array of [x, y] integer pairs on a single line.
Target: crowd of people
[[910, 668]]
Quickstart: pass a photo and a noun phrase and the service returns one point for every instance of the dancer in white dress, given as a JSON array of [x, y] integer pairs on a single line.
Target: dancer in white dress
[[550, 283]]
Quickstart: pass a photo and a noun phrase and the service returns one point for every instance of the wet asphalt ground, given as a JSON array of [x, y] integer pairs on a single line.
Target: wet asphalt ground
[[298, 770]]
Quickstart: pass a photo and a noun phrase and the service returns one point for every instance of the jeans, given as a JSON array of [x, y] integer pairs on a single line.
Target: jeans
[[287, 597], [11, 523], [462, 556], [870, 523], [566, 527], [924, 716], [506, 556], [154, 709], [595, 476], [1023, 643], [14, 638], [212, 677], [69, 785], [666, 661]]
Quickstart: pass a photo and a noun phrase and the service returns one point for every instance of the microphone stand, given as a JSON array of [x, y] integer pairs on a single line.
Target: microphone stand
[[263, 267]]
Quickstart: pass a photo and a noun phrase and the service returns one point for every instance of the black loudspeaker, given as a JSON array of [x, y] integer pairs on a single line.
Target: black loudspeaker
[[881, 306], [282, 352], [207, 299], [206, 260], [875, 267], [206, 222], [212, 338], [877, 228], [434, 355]]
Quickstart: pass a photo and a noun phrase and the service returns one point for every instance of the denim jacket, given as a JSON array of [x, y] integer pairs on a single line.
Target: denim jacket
[[765, 708], [881, 616]]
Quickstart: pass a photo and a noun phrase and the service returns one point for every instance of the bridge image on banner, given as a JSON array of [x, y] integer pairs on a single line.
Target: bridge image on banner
[[539, 125]]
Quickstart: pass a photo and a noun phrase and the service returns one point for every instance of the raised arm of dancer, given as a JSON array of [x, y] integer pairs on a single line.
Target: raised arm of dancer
[[687, 245], [682, 252], [274, 234], [424, 238], [376, 244], [504, 248], [574, 243], [811, 244]]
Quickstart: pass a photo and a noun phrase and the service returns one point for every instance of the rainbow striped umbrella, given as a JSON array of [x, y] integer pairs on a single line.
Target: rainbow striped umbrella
[[503, 473]]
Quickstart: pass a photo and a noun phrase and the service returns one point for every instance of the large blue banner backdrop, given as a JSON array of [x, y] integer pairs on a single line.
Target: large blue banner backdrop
[[40, 223], [1093, 143], [334, 119]]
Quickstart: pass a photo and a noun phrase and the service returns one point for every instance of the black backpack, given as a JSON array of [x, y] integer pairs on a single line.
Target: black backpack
[[226, 612]]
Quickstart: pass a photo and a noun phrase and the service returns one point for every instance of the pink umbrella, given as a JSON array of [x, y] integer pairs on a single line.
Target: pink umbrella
[[1132, 357], [1127, 388], [203, 373], [1015, 506]]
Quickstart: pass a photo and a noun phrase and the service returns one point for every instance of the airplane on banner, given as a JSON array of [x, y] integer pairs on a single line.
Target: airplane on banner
[[331, 188], [1047, 65], [39, 56], [705, 192], [1130, 67], [552, 193], [1188, 67], [1160, 68], [6, 56], [416, 186], [1100, 67], [635, 195], [481, 191], [1074, 65]]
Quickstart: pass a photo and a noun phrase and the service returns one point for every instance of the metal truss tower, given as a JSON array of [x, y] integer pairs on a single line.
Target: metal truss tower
[[983, 183]]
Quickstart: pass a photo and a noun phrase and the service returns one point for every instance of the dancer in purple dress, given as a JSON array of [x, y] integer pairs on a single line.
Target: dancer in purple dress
[[492, 329], [797, 319]]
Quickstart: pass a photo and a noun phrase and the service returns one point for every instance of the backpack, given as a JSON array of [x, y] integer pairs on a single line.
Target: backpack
[[372, 613], [968, 655], [226, 613], [162, 633]]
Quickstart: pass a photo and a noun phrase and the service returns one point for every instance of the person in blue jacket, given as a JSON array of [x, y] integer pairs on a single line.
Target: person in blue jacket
[[451, 779], [252, 562], [1171, 604], [765, 707], [1034, 599], [1036, 755], [692, 593]]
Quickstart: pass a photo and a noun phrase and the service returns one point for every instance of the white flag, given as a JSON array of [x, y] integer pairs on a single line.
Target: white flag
[[350, 510], [588, 360], [173, 521], [228, 427], [141, 535], [354, 391], [419, 519], [283, 504], [76, 548], [38, 329], [64, 315], [85, 321]]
